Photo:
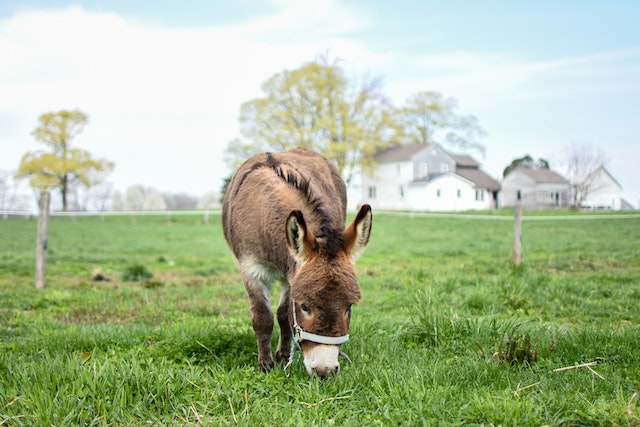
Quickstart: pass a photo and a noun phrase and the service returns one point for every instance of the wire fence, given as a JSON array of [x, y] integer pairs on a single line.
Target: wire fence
[[208, 212]]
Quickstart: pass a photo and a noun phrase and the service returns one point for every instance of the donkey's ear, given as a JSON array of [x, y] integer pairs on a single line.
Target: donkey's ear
[[356, 236], [300, 241]]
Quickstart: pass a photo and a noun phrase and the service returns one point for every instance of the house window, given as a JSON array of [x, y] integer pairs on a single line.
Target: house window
[[402, 191], [459, 192], [438, 192], [444, 168], [372, 192], [479, 195]]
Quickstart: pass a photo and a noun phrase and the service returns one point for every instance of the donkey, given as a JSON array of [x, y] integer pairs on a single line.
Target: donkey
[[284, 218]]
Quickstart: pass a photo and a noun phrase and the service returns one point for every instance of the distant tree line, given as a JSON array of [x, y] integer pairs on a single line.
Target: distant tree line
[[138, 197]]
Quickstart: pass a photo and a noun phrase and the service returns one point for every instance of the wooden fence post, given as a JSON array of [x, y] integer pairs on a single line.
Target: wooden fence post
[[42, 240], [517, 233]]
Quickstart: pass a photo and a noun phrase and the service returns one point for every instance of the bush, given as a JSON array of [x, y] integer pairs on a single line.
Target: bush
[[136, 273]]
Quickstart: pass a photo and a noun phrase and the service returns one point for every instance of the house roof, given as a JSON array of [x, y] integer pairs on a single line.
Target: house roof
[[479, 178], [402, 152], [610, 176], [543, 176], [464, 161]]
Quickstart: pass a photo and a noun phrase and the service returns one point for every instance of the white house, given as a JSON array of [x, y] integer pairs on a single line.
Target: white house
[[425, 177], [536, 188], [604, 192]]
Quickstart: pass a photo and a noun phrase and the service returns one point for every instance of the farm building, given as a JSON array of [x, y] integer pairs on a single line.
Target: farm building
[[425, 177], [604, 192], [536, 188]]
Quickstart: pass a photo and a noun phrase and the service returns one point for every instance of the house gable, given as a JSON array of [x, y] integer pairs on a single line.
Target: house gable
[[604, 193]]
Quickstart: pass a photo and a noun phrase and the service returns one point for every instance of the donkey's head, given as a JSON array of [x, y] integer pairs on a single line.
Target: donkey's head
[[324, 288]]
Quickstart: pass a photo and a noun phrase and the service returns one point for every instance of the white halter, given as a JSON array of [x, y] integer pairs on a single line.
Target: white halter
[[301, 335]]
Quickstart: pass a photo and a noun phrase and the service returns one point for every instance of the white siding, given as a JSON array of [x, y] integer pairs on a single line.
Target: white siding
[[391, 186], [533, 194], [605, 193], [448, 192]]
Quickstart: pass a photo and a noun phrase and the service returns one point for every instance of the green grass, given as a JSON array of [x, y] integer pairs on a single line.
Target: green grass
[[448, 331]]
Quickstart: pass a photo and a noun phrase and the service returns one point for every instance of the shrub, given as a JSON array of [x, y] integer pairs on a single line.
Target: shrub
[[136, 273]]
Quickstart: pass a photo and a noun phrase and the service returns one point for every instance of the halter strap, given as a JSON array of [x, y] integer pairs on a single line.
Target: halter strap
[[301, 335]]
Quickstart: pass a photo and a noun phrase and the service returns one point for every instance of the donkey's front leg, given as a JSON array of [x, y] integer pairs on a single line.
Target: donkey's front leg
[[284, 343], [262, 319]]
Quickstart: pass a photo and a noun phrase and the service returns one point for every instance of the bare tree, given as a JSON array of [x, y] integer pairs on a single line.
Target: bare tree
[[580, 166], [12, 195]]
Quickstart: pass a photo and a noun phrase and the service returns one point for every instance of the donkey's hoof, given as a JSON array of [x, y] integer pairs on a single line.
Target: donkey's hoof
[[265, 365], [283, 357]]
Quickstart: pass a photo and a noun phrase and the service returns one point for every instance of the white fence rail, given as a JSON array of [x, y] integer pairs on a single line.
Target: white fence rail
[[207, 212]]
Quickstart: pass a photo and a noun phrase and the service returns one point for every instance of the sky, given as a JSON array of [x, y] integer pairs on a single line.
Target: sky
[[162, 81]]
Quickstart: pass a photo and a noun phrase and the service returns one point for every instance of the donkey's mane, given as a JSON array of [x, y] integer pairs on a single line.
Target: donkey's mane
[[330, 238]]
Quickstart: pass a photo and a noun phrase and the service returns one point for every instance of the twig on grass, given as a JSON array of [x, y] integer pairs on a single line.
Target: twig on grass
[[587, 365], [582, 365], [328, 399], [595, 373]]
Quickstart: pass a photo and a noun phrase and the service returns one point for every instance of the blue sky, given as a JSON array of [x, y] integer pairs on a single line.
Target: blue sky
[[162, 81]]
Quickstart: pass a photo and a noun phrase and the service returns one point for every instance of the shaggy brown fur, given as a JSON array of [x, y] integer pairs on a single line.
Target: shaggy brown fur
[[284, 218]]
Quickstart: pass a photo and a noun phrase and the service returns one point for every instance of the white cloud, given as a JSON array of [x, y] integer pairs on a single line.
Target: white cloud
[[152, 93], [163, 102]]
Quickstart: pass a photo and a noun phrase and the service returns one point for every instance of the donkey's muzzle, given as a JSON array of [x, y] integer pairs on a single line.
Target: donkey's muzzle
[[322, 360]]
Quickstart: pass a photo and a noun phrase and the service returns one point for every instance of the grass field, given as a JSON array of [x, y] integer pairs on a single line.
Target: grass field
[[448, 331]]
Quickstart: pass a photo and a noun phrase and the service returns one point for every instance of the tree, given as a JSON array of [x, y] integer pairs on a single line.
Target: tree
[[526, 162], [11, 195], [138, 198], [580, 167], [428, 117], [64, 165], [315, 107]]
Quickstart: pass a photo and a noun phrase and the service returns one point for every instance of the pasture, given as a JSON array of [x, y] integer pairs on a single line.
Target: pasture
[[448, 331]]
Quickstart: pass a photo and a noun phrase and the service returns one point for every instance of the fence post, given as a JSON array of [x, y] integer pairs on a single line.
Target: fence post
[[517, 233], [42, 239]]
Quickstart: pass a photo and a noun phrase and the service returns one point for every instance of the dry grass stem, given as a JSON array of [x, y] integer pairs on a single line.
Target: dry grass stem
[[517, 391], [233, 414], [582, 365], [329, 399]]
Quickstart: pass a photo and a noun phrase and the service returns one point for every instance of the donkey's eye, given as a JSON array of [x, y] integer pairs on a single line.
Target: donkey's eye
[[304, 308], [348, 312]]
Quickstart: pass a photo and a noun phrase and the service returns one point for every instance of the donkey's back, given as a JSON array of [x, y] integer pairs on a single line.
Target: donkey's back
[[264, 191]]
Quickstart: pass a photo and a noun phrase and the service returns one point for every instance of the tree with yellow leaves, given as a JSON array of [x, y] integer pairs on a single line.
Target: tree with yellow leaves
[[64, 165], [315, 107]]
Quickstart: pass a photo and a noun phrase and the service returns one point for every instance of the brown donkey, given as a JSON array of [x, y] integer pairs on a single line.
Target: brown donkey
[[284, 218]]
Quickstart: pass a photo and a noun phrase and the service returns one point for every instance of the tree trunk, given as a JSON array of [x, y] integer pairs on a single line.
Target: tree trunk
[[63, 191], [42, 240]]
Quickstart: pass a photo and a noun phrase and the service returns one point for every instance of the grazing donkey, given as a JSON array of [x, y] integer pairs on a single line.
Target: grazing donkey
[[284, 219]]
